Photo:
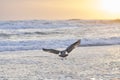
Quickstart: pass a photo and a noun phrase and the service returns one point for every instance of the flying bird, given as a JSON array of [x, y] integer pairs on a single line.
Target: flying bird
[[64, 53]]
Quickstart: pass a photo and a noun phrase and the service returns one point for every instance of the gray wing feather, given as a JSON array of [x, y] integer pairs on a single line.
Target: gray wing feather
[[51, 51], [72, 46]]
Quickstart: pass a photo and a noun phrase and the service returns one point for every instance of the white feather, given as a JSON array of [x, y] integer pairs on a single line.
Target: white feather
[[59, 53]]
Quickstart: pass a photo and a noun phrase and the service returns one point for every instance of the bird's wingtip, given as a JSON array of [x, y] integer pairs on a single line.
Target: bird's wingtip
[[43, 49], [79, 40]]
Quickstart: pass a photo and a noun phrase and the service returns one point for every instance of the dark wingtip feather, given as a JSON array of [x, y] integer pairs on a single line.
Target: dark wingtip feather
[[43, 48], [51, 50], [72, 46]]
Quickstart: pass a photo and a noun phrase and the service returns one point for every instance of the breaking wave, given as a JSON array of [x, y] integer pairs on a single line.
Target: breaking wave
[[36, 34], [39, 44]]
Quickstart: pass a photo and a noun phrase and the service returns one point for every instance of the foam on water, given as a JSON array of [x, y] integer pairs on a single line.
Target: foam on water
[[36, 34]]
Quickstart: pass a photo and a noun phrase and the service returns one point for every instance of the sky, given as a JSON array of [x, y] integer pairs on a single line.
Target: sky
[[59, 9]]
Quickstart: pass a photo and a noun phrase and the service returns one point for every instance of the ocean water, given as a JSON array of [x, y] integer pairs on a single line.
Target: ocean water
[[36, 34]]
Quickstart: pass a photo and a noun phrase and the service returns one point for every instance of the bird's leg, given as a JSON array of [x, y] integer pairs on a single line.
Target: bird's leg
[[65, 58], [62, 58]]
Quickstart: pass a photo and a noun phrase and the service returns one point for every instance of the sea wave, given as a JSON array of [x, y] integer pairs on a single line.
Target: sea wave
[[39, 44], [35, 24], [36, 34]]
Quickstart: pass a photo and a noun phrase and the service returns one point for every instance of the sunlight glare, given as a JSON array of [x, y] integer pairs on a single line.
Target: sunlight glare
[[111, 6]]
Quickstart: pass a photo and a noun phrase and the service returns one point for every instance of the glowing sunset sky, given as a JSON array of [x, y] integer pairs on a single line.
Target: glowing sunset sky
[[59, 9]]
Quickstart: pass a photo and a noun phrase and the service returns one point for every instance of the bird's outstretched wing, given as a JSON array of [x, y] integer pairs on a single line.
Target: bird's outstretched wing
[[51, 51], [72, 46]]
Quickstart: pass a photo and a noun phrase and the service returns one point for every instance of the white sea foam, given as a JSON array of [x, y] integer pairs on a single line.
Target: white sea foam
[[36, 34]]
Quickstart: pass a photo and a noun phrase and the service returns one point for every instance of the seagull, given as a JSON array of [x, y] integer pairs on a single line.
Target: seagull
[[64, 53]]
